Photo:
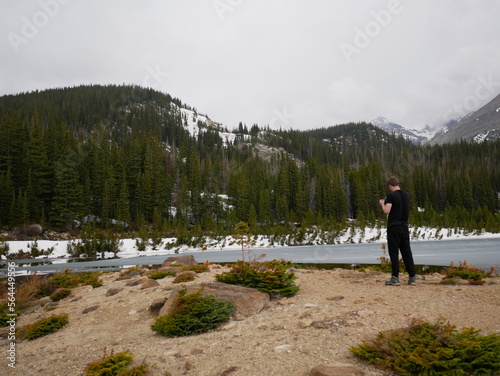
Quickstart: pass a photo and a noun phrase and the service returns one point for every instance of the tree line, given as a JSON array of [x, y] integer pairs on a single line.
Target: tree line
[[120, 157]]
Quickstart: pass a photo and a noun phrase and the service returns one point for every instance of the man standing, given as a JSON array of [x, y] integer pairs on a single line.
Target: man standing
[[397, 206]]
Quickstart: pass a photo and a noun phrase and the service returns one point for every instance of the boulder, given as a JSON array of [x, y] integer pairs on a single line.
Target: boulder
[[90, 309], [335, 369], [247, 301], [157, 304], [184, 260], [113, 291], [149, 283], [33, 230]]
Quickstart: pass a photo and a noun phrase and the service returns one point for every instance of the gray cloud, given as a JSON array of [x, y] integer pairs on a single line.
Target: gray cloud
[[284, 63]]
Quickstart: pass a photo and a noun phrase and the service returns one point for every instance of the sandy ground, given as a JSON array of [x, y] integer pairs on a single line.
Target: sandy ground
[[332, 311]]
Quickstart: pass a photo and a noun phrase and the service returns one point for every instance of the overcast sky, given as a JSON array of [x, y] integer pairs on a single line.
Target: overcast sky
[[285, 63]]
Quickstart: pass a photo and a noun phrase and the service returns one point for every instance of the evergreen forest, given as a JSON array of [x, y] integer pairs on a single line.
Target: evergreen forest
[[121, 158]]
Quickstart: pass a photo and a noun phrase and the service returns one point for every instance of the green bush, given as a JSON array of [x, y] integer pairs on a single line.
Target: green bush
[[4, 311], [196, 268], [433, 349], [161, 275], [60, 294], [43, 327], [465, 271], [68, 280], [193, 314], [184, 277], [272, 277], [115, 365]]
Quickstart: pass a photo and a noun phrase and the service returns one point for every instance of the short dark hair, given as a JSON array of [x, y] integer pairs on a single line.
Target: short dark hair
[[393, 181]]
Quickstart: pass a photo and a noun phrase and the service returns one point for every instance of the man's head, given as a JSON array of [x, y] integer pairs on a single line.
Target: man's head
[[393, 182]]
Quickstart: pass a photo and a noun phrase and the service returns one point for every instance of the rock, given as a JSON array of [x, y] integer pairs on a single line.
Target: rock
[[51, 305], [230, 370], [335, 298], [148, 282], [322, 324], [185, 260], [33, 230], [135, 282], [310, 305], [129, 275], [113, 291], [366, 313], [336, 369], [157, 304], [238, 317], [305, 323], [247, 301], [90, 309], [82, 290], [283, 349]]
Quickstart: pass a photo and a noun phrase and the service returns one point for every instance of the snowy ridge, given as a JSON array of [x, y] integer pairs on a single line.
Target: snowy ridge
[[196, 123], [411, 135]]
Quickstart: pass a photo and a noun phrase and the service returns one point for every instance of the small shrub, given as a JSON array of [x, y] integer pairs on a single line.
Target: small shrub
[[68, 280], [465, 271], [272, 277], [201, 268], [60, 294], [433, 349], [184, 277], [4, 311], [193, 314], [161, 275], [115, 364], [43, 327]]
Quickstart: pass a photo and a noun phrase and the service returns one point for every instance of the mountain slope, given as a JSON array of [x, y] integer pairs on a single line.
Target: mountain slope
[[396, 129], [483, 124]]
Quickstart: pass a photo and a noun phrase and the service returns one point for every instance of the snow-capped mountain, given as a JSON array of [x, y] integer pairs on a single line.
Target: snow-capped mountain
[[483, 124], [416, 136]]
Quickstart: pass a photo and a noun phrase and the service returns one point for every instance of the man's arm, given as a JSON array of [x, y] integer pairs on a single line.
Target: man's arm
[[385, 207]]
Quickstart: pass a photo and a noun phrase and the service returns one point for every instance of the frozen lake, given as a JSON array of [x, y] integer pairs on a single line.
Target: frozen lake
[[480, 252]]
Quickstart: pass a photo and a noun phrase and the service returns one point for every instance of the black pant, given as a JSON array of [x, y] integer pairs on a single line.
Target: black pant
[[398, 238]]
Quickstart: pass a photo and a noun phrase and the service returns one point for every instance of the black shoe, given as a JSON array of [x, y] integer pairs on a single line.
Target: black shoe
[[394, 281], [412, 281]]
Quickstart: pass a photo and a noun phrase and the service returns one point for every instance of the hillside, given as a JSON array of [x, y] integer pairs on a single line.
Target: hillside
[[92, 159], [483, 124]]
